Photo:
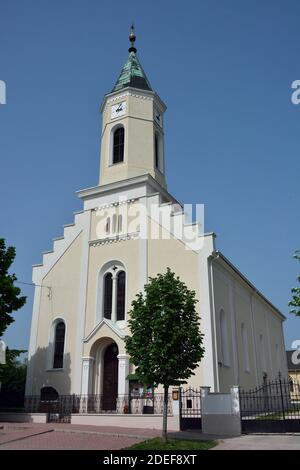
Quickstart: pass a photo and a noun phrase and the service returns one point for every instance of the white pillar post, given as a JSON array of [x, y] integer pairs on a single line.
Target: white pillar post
[[123, 384], [205, 391], [87, 375], [235, 400]]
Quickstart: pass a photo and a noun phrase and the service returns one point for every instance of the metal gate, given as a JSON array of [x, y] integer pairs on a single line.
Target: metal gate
[[58, 411], [190, 408], [58, 414], [273, 408]]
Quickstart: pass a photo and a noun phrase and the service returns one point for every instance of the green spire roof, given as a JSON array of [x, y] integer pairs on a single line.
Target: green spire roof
[[132, 73]]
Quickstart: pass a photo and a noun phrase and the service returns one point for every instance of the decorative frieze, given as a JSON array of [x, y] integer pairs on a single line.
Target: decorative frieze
[[128, 93], [115, 204], [116, 239], [124, 95]]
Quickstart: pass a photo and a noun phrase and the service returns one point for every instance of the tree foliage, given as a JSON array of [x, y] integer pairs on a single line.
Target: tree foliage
[[165, 343], [10, 298], [295, 302], [12, 379]]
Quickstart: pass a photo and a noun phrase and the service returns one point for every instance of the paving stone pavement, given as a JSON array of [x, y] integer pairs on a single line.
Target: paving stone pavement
[[261, 442], [69, 437], [53, 436]]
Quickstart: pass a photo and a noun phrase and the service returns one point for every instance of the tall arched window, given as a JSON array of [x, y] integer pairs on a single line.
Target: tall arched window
[[59, 345], [118, 145], [107, 225], [262, 354], [112, 298], [156, 151], [121, 278], [119, 223], [107, 302], [245, 348], [278, 364], [224, 338], [114, 223]]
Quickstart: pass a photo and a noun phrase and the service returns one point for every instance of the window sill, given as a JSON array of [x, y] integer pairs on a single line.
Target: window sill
[[58, 369], [117, 163]]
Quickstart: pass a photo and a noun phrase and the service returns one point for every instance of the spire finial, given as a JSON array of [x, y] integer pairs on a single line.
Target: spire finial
[[132, 38]]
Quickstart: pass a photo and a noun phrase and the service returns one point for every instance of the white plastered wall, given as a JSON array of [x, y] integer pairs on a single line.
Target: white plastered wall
[[244, 306]]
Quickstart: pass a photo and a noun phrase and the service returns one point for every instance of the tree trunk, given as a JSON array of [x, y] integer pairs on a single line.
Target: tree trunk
[[165, 415]]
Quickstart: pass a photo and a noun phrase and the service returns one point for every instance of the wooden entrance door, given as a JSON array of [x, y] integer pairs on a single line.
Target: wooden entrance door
[[110, 377]]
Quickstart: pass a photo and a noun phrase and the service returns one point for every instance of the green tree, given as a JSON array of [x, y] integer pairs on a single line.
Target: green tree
[[165, 343], [295, 302], [12, 379], [10, 299]]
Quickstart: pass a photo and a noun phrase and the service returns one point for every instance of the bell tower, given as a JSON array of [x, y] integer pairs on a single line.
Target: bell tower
[[132, 141]]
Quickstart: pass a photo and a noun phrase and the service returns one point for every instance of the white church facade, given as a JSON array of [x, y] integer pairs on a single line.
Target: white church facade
[[131, 228]]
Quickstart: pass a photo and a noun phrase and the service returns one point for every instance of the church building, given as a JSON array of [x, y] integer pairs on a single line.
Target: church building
[[129, 229]]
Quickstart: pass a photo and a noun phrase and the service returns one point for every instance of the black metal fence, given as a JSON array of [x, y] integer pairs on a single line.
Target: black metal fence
[[64, 406], [273, 407]]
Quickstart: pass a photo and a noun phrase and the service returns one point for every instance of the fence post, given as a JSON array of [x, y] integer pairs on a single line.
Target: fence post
[[180, 408], [265, 392], [49, 412], [282, 400]]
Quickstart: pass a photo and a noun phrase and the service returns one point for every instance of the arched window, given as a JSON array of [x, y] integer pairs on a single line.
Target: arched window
[[224, 338], [107, 302], [114, 223], [245, 348], [118, 145], [59, 345], [121, 278], [278, 361], [156, 151], [111, 302], [120, 223], [262, 354], [107, 226]]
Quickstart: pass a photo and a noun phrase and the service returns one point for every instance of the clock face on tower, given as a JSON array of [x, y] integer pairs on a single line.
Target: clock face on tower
[[118, 110]]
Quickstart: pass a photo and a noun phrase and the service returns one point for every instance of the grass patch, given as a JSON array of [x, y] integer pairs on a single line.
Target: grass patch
[[172, 444]]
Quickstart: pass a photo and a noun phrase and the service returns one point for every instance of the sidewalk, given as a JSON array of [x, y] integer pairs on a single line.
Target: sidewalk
[[54, 436], [289, 441]]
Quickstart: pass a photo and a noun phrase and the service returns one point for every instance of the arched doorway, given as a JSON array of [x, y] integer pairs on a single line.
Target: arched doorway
[[49, 394], [110, 377], [49, 400]]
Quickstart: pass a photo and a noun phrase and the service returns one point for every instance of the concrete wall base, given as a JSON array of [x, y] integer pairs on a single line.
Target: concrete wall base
[[126, 421], [9, 417], [221, 425]]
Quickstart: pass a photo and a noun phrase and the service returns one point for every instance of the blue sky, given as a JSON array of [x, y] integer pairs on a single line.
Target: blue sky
[[224, 68]]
